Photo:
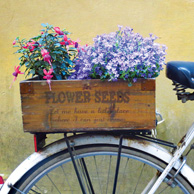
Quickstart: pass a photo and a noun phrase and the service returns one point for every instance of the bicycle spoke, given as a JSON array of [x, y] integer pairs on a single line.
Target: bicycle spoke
[[164, 189], [80, 169], [38, 188], [108, 174], [124, 173], [98, 174], [53, 184], [87, 185], [83, 175], [66, 179], [150, 184], [139, 178], [35, 191], [90, 186]]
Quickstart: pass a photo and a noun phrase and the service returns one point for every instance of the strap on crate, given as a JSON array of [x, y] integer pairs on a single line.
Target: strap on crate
[[39, 141]]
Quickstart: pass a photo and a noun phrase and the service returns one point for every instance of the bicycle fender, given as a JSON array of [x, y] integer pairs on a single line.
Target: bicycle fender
[[147, 147], [23, 168]]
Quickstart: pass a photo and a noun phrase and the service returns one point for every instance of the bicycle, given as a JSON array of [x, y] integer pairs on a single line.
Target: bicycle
[[110, 162]]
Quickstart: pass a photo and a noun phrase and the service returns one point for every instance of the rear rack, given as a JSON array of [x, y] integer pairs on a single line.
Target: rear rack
[[145, 135]]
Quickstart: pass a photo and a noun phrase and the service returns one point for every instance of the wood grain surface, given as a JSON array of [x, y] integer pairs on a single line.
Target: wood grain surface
[[87, 105]]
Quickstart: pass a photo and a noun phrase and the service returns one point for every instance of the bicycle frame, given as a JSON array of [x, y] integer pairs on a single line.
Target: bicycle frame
[[185, 141]]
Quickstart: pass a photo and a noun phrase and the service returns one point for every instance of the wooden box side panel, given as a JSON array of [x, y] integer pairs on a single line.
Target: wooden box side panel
[[87, 105]]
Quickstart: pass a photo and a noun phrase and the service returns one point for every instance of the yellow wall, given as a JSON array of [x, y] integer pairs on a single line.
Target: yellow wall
[[171, 20]]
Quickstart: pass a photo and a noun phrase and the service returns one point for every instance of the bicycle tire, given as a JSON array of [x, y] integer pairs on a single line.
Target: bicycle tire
[[57, 163]]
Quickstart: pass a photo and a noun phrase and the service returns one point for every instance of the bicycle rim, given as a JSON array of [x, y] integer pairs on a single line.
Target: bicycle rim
[[56, 174]]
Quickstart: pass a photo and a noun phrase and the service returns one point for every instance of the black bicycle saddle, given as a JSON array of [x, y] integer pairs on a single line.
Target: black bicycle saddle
[[181, 72]]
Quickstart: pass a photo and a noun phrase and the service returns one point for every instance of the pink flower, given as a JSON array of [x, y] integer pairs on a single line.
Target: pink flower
[[44, 52], [61, 33], [14, 42], [63, 43], [48, 76], [71, 42], [75, 43], [67, 41], [30, 45], [65, 37], [15, 73], [46, 56], [58, 31]]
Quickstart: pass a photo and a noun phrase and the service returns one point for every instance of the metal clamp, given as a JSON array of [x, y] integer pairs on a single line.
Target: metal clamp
[[171, 181], [11, 186], [159, 118]]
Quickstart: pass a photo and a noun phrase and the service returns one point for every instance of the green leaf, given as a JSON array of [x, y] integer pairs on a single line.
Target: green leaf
[[53, 55], [63, 65], [32, 71], [59, 77], [64, 50], [57, 44], [38, 63], [40, 72], [36, 37], [69, 61], [57, 52], [44, 35], [27, 64], [54, 66], [64, 73], [21, 57], [60, 36], [73, 50], [44, 25], [27, 73], [49, 26], [41, 40]]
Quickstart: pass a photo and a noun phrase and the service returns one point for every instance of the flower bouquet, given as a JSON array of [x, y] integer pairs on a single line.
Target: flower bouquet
[[120, 55], [48, 55]]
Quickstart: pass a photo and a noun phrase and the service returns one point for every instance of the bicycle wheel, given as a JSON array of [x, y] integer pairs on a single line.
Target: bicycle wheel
[[96, 165]]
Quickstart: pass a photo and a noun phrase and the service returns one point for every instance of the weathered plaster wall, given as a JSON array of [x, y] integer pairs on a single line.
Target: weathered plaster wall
[[171, 20]]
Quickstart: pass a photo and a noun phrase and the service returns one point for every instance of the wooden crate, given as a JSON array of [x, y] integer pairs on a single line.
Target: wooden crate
[[87, 105]]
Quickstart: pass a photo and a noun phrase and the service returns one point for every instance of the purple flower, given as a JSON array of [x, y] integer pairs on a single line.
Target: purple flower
[[122, 54]]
